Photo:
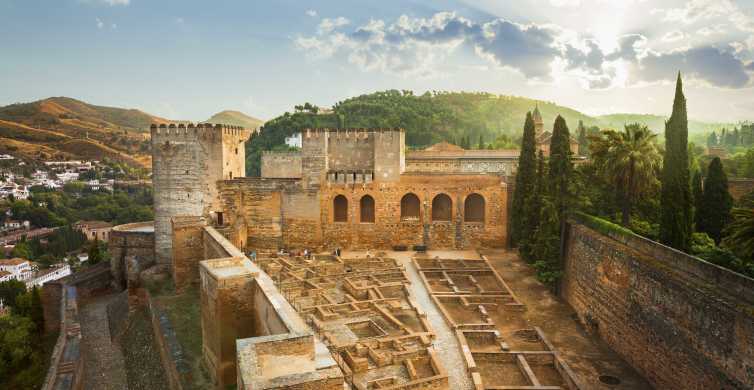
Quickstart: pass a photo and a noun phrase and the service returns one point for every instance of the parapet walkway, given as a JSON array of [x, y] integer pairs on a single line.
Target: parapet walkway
[[446, 343], [104, 368]]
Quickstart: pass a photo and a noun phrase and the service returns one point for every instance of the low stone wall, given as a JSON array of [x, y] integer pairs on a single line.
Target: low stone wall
[[66, 370], [132, 239], [177, 367], [681, 322], [740, 187], [91, 281]]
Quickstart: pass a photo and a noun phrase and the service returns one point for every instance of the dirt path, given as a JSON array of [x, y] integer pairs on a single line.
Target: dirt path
[[446, 344], [103, 361]]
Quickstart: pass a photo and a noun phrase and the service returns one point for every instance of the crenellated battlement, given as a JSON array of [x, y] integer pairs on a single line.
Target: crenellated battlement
[[191, 129], [356, 133]]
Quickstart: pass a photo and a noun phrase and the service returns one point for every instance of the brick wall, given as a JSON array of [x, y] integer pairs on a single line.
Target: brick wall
[[681, 322]]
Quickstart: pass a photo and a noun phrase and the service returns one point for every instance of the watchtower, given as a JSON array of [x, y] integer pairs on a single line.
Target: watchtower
[[187, 162]]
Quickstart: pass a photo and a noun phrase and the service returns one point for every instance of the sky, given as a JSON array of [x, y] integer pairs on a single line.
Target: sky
[[188, 59]]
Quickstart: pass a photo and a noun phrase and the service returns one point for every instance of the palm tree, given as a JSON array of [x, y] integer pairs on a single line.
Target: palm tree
[[740, 233], [630, 160]]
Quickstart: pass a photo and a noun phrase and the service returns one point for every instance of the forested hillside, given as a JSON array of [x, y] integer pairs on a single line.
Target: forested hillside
[[427, 118]]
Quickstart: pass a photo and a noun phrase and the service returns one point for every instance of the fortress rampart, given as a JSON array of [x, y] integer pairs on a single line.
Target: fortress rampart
[[681, 322]]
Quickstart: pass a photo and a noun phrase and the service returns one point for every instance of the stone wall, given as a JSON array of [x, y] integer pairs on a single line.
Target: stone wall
[[133, 239], [187, 250], [52, 294], [281, 164], [66, 370], [740, 187], [681, 322], [282, 213]]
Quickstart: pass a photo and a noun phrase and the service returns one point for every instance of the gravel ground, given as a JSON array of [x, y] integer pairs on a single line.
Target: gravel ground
[[142, 358], [103, 360]]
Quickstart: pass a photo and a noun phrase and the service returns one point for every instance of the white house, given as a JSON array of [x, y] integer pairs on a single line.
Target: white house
[[19, 268], [56, 272]]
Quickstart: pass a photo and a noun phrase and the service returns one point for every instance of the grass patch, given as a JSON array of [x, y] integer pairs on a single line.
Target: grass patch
[[184, 312]]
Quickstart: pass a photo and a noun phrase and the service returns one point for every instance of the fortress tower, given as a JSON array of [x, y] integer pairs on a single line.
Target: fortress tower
[[187, 162]]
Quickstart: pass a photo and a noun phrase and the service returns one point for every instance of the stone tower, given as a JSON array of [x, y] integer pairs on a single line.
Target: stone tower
[[187, 162], [539, 124]]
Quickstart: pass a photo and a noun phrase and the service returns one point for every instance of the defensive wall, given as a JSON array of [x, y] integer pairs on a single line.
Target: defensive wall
[[438, 211], [683, 323], [739, 187], [130, 240], [245, 320]]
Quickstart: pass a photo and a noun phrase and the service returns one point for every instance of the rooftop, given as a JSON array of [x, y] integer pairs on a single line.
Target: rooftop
[[13, 261]]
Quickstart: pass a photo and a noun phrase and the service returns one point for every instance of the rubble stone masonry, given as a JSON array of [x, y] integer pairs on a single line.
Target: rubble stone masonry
[[681, 322]]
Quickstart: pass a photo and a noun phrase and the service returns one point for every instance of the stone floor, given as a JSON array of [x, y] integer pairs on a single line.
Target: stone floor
[[103, 361]]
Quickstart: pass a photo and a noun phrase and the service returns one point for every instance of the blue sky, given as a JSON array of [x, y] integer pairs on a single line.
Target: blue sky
[[186, 59]]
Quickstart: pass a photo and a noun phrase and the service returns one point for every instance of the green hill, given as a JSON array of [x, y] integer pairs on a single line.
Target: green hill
[[439, 116], [656, 122], [236, 118]]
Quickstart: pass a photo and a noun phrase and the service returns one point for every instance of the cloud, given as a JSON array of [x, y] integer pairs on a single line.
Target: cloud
[[111, 3], [100, 24], [328, 25], [420, 47], [179, 20], [311, 13], [700, 10], [673, 36], [715, 66]]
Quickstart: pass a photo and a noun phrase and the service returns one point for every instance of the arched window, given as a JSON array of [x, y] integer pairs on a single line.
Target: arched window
[[410, 207], [442, 208], [366, 205], [473, 208], [340, 209]]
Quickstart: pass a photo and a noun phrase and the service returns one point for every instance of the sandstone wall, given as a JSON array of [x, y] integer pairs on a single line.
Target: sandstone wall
[[188, 250], [187, 162], [280, 213], [498, 166], [133, 239], [681, 322], [350, 150], [281, 164]]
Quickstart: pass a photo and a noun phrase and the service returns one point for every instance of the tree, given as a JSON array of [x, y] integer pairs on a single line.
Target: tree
[[560, 166], [10, 290], [696, 188], [526, 177], [675, 197], [534, 205], [480, 146], [95, 254], [583, 140], [629, 160], [712, 139], [740, 233], [716, 202]]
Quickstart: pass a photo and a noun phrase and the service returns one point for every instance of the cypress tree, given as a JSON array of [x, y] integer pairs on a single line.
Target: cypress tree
[[716, 202], [560, 166], [526, 177], [481, 142], [37, 314], [696, 189], [534, 207], [583, 140], [675, 198]]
